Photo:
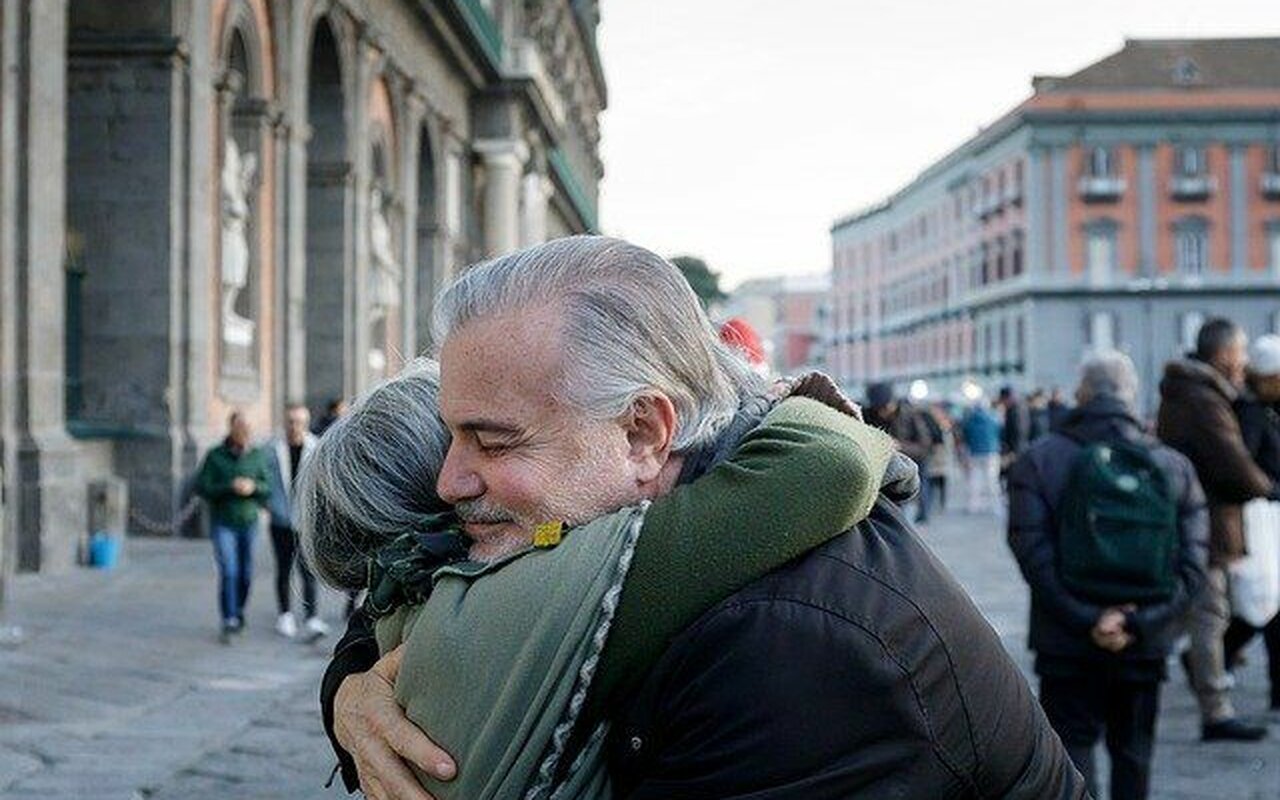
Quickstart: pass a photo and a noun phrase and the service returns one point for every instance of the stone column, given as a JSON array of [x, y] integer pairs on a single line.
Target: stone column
[[295, 208], [503, 164], [409, 126], [50, 497]]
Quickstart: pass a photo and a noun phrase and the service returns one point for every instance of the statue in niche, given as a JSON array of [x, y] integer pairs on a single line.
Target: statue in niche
[[237, 178], [384, 277]]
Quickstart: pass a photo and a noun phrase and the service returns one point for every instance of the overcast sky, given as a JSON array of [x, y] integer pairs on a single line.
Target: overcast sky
[[737, 130]]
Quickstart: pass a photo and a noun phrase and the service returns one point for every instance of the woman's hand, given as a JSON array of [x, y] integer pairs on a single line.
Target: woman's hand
[[372, 727]]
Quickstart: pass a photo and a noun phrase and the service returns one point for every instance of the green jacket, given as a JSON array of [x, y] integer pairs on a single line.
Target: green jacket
[[503, 659], [221, 466]]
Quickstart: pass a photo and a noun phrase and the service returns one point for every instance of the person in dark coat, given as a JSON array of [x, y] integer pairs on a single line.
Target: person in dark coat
[[1258, 409], [1101, 668], [1015, 430], [1058, 409], [907, 426], [1041, 424], [1197, 419]]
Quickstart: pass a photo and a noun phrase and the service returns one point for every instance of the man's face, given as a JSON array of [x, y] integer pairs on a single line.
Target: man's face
[[239, 431], [521, 455], [1233, 359], [296, 421]]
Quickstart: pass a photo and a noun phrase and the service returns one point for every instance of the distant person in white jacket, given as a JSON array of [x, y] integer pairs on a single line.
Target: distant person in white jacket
[[284, 457]]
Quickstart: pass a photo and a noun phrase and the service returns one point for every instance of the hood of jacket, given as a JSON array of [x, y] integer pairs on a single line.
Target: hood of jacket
[[1103, 418], [1186, 377]]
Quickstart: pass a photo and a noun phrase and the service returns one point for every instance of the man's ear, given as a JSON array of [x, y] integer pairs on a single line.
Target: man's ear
[[651, 427]]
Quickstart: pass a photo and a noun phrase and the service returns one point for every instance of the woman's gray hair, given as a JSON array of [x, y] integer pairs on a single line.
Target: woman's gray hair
[[631, 325], [372, 476], [1108, 373]]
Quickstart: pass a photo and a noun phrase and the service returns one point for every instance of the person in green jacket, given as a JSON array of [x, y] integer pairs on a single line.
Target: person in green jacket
[[504, 658], [233, 480]]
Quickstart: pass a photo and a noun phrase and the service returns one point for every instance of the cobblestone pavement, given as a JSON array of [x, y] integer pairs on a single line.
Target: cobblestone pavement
[[121, 690]]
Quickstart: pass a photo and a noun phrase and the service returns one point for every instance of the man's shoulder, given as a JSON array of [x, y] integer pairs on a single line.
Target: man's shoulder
[[874, 577]]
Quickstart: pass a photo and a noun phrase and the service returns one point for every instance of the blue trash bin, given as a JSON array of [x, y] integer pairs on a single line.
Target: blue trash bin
[[104, 550]]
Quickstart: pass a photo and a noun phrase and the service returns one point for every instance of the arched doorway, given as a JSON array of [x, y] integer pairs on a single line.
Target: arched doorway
[[328, 312]]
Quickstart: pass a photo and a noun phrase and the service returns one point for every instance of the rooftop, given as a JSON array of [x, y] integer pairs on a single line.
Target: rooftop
[[1142, 65], [1177, 63]]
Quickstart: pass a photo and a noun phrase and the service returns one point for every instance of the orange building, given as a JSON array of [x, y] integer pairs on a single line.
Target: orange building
[[1118, 207]]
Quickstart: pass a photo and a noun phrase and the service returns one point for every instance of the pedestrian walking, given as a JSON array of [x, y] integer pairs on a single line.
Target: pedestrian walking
[[1039, 416], [1058, 409], [942, 460], [1015, 429], [1097, 500], [233, 480], [910, 431], [285, 457], [1258, 410], [980, 432], [1196, 418]]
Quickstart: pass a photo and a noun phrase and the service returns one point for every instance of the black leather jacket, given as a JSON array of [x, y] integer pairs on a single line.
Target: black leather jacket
[[862, 670]]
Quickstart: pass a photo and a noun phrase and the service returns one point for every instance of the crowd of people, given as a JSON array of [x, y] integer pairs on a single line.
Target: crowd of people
[[1129, 531], [604, 559]]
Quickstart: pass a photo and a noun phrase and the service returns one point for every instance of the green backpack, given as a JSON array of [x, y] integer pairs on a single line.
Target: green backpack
[[1118, 526]]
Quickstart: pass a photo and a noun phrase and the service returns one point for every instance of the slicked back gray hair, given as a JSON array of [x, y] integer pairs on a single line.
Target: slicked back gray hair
[[372, 476], [1109, 373], [631, 324]]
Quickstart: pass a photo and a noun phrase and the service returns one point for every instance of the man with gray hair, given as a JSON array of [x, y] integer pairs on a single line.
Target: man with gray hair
[[580, 376], [1098, 498]]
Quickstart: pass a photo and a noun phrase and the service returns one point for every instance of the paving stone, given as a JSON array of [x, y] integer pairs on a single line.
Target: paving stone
[[121, 691]]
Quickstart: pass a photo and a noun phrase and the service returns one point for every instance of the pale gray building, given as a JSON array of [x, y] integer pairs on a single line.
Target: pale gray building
[[218, 204]]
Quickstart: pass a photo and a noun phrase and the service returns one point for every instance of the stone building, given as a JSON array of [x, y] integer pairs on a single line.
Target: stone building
[[1117, 207], [218, 204]]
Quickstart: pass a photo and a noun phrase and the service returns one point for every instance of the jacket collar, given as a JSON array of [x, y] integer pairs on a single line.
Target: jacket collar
[[1193, 370], [1103, 417]]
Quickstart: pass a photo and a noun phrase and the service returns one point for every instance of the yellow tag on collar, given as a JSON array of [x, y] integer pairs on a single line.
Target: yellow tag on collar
[[548, 534]]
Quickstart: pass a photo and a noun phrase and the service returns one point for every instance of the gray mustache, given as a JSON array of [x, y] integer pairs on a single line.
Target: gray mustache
[[476, 511]]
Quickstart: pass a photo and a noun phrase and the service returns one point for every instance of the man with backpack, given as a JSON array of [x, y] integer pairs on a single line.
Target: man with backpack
[[1196, 418], [1109, 528]]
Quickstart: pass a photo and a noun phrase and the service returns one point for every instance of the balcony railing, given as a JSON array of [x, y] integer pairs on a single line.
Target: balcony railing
[[1101, 188], [1191, 187], [1270, 184]]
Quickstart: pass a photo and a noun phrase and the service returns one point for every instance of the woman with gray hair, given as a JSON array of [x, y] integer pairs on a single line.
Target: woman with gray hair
[[504, 660]]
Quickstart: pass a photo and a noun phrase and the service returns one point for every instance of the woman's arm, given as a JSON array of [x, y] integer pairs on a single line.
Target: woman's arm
[[805, 475]]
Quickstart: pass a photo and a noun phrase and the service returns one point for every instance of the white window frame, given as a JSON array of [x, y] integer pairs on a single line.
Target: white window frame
[[1100, 253], [1101, 162], [1191, 161], [1273, 247], [1191, 249]]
